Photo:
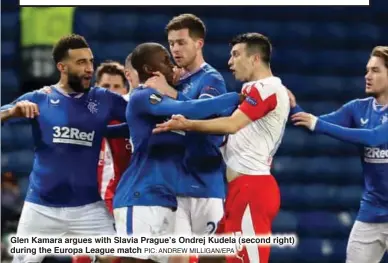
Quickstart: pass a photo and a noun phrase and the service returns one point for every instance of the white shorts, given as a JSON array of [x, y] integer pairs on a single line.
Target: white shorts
[[367, 242], [147, 221], [198, 216], [91, 219]]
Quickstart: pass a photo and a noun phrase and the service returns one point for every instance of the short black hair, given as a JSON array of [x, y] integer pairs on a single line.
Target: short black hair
[[256, 43], [111, 68], [142, 55], [65, 43], [194, 24]]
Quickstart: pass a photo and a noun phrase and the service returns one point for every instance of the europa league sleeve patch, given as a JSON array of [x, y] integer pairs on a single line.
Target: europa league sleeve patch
[[155, 98]]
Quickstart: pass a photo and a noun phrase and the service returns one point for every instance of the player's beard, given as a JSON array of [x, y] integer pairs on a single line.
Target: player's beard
[[75, 83]]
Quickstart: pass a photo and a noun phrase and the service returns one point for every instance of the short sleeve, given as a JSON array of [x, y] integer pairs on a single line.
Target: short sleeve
[[259, 101]]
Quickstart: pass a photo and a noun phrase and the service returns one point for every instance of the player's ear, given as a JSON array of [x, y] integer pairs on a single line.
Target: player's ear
[[147, 69], [61, 67], [199, 43]]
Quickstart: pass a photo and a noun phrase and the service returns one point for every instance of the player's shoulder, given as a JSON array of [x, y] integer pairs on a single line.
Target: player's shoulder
[[266, 87], [210, 72], [361, 102], [143, 94]]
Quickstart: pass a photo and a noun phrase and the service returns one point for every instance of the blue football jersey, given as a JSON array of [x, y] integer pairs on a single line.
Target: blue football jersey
[[367, 114], [157, 160], [67, 136], [203, 159]]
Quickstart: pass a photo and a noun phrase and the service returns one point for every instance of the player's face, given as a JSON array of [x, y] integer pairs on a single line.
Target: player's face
[[240, 63], [182, 47], [113, 83], [161, 61], [79, 68], [376, 77]]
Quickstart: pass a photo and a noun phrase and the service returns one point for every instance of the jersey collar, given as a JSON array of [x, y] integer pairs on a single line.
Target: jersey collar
[[378, 107]]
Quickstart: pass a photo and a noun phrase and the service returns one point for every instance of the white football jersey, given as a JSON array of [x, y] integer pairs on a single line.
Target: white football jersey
[[251, 149]]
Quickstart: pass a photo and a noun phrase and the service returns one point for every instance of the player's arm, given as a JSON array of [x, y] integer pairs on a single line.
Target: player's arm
[[255, 106], [149, 101], [370, 137], [22, 107], [343, 116], [118, 108], [117, 131]]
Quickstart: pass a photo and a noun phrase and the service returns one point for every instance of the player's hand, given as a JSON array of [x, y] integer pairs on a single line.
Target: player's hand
[[25, 109], [46, 89], [292, 99], [177, 122], [304, 119], [178, 73], [159, 82], [242, 97]]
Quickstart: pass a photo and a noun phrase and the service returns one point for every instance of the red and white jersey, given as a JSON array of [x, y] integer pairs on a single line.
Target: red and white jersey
[[250, 150]]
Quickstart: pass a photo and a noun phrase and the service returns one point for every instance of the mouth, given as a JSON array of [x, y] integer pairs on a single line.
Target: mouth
[[368, 85]]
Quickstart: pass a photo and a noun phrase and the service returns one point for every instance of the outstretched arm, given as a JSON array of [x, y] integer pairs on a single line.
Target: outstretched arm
[[258, 103], [21, 107], [151, 102], [369, 137]]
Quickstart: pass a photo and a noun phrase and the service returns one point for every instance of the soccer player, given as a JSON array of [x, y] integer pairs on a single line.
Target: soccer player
[[145, 198], [368, 238], [68, 125], [256, 130], [200, 192]]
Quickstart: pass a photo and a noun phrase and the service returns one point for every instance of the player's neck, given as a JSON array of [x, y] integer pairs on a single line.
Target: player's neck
[[64, 85], [382, 99], [199, 60], [261, 73]]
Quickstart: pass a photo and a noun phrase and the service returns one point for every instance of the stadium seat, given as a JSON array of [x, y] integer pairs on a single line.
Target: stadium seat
[[88, 24], [114, 51], [22, 136], [325, 224], [323, 169], [121, 26], [314, 250], [285, 222], [320, 196], [6, 138], [8, 54], [9, 21], [9, 81]]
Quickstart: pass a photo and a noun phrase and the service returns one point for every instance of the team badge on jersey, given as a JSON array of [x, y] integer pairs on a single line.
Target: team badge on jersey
[[92, 106], [155, 98]]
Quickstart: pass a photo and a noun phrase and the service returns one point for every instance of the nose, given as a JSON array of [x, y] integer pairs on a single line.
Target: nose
[[89, 68], [368, 76], [230, 62], [174, 48]]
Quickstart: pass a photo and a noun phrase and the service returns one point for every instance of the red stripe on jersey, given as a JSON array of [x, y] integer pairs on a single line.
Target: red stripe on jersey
[[254, 106]]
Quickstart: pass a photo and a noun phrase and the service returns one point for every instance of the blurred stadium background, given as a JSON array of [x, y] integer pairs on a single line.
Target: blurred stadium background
[[320, 53]]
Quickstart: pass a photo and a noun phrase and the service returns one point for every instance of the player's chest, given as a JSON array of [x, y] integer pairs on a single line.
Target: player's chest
[[371, 118], [190, 88], [63, 117]]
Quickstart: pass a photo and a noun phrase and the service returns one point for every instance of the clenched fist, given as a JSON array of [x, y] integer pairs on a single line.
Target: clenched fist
[[25, 109]]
